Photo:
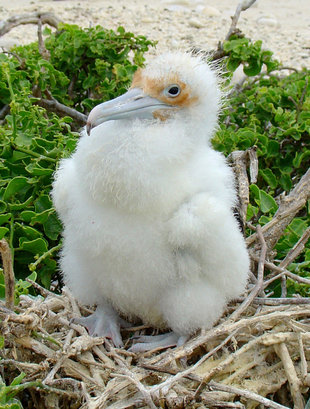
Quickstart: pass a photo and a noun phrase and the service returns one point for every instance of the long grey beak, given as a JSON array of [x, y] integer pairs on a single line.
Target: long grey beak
[[134, 103]]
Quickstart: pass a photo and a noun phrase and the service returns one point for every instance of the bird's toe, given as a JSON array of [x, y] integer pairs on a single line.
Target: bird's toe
[[102, 326], [149, 342]]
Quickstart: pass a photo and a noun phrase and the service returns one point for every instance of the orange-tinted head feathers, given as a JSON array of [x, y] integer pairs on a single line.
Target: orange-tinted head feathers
[[156, 87]]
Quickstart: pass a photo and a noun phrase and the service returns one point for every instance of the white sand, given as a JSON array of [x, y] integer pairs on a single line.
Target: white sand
[[283, 25]]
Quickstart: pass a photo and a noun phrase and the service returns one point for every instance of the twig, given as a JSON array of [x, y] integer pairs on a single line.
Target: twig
[[166, 385], [278, 301], [46, 18], [253, 164], [242, 6], [246, 394], [282, 351], [287, 210], [220, 404], [8, 272], [260, 278], [227, 361], [43, 291], [303, 361], [226, 327], [283, 286], [296, 250], [55, 106], [42, 50], [239, 161], [281, 271], [146, 394]]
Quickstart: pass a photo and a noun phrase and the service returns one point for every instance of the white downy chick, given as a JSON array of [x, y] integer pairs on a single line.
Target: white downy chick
[[146, 204]]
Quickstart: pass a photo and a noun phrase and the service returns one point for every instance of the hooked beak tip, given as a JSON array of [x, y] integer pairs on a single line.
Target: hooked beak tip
[[88, 127]]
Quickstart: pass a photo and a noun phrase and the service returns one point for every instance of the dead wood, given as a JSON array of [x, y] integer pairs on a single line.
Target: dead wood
[[288, 208], [51, 104], [9, 278], [33, 18]]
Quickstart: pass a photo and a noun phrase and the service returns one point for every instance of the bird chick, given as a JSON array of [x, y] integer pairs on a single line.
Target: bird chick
[[146, 204]]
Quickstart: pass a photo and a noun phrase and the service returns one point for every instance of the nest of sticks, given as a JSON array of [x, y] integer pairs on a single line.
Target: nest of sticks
[[257, 356]]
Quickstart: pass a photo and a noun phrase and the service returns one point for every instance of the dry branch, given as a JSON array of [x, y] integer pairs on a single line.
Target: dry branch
[[82, 369], [53, 105], [282, 351], [242, 6], [260, 278], [288, 208], [33, 18], [247, 394], [8, 272], [278, 301], [240, 161], [296, 250]]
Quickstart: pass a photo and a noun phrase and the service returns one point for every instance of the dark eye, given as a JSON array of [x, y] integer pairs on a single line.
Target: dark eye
[[173, 90]]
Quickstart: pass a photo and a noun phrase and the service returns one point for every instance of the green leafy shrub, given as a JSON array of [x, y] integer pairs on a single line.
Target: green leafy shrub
[[271, 112], [84, 66], [250, 55]]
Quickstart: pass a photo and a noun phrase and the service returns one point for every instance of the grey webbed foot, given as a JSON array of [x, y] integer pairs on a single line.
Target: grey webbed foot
[[104, 322], [148, 342]]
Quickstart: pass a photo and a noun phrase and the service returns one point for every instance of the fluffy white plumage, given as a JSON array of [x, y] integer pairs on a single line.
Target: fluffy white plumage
[[147, 203]]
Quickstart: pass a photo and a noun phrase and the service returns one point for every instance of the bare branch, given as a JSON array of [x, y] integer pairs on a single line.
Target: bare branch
[[240, 161], [8, 272], [277, 301], [282, 351], [260, 278], [281, 271], [42, 50], [55, 106], [46, 18], [242, 6], [296, 250], [247, 394], [289, 206]]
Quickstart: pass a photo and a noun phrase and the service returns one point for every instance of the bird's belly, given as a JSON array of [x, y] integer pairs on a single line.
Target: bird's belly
[[125, 258]]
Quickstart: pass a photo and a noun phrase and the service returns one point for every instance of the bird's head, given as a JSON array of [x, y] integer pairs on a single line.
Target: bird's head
[[172, 84]]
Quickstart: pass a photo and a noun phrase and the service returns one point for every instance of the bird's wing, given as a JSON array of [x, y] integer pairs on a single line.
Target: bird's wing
[[207, 242]]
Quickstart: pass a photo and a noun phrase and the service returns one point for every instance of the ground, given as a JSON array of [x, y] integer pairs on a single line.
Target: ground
[[283, 25]]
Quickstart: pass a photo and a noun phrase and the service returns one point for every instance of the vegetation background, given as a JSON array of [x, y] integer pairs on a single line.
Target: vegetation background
[[48, 87]]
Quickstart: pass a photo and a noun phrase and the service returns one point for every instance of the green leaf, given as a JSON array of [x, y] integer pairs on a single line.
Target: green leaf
[[286, 182], [3, 232], [37, 246], [267, 202], [27, 215], [269, 177], [52, 227], [18, 379], [14, 186], [2, 206], [4, 218]]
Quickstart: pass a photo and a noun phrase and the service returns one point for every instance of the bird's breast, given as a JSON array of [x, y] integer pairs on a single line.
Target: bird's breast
[[139, 169]]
